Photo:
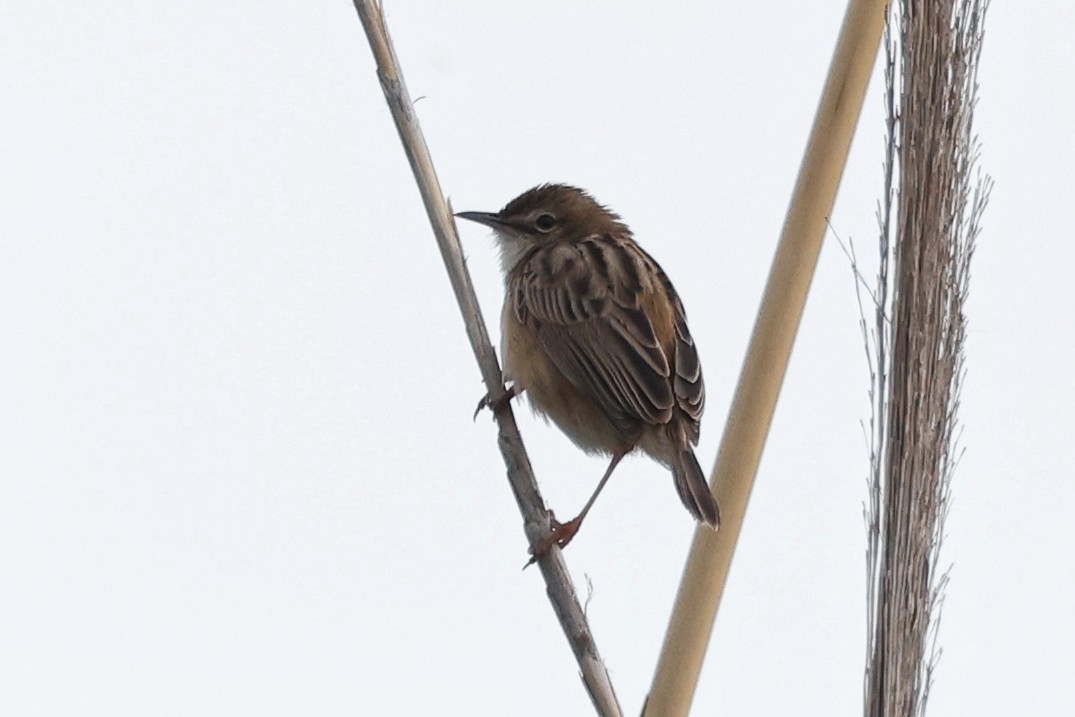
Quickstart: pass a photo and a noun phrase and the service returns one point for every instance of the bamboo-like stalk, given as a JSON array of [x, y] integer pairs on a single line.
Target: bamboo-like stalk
[[918, 341], [706, 573], [560, 589]]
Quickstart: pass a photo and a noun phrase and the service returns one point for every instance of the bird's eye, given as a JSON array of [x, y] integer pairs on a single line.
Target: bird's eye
[[545, 222]]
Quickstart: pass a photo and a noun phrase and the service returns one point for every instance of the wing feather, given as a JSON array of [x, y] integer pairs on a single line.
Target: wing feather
[[584, 302]]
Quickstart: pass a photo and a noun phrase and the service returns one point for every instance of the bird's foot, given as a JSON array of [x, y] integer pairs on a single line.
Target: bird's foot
[[497, 404], [560, 534]]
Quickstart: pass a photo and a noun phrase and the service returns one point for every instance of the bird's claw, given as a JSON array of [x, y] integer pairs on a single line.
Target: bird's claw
[[484, 403], [496, 404], [560, 534]]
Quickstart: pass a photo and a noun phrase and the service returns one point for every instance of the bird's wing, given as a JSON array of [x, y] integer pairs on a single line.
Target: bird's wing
[[688, 385], [587, 303]]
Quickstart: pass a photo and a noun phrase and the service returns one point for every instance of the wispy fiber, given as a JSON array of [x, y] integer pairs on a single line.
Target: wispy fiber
[[929, 221]]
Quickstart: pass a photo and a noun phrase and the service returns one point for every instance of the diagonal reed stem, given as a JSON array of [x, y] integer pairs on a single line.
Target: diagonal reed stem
[[706, 573], [560, 589]]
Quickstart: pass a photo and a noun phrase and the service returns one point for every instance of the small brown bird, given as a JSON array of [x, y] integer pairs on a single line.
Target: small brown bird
[[595, 334]]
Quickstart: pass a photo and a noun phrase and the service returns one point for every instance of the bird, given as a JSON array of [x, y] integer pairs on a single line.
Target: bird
[[595, 335]]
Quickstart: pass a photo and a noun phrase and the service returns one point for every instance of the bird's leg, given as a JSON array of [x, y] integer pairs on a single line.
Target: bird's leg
[[562, 533], [495, 405]]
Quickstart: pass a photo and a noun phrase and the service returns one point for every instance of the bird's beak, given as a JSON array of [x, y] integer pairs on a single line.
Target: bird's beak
[[487, 218]]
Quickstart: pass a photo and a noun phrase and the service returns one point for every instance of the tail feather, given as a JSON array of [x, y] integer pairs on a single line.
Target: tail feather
[[693, 488]]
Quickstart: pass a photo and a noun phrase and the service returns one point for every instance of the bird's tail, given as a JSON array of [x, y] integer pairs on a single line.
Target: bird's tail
[[693, 487]]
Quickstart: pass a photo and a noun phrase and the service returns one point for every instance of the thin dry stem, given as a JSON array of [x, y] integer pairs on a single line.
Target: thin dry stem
[[928, 231], [560, 589]]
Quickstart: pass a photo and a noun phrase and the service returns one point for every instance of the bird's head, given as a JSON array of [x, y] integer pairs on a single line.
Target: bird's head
[[546, 214]]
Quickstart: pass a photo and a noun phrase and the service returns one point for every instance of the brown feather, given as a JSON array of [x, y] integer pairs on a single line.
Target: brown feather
[[604, 342]]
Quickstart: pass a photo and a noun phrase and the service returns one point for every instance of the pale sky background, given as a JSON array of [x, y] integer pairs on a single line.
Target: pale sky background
[[238, 473]]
